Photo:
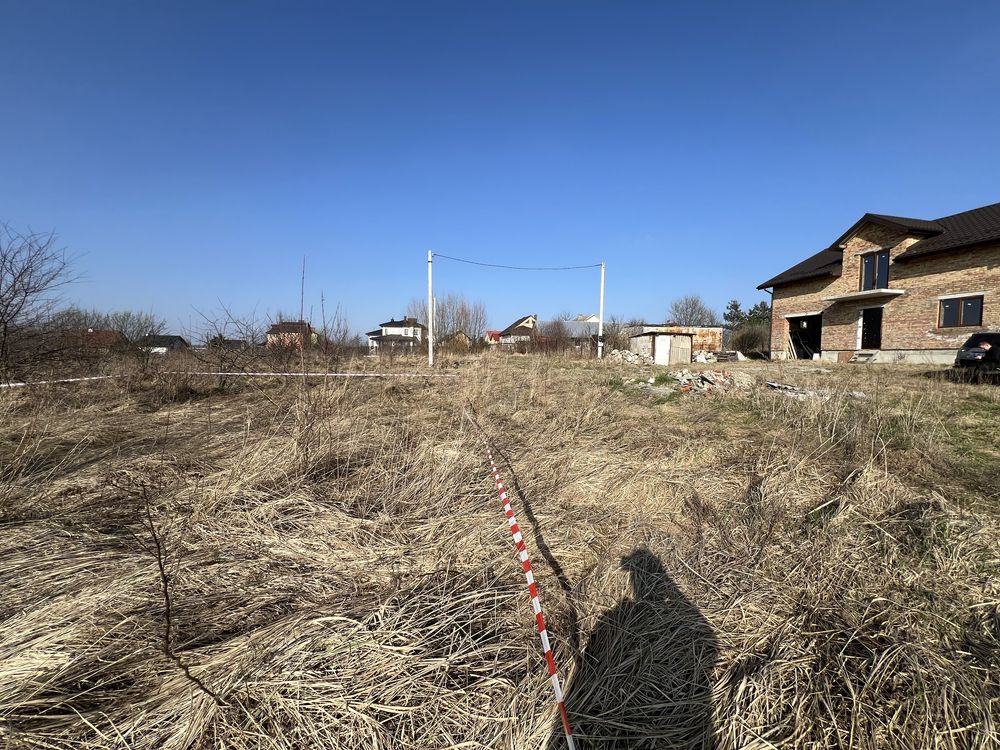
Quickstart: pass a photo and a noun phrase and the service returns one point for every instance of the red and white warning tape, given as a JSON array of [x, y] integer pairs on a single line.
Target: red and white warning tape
[[249, 375], [319, 374], [61, 380], [536, 605]]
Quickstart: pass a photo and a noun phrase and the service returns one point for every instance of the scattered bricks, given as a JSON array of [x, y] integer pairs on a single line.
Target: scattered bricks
[[711, 381], [698, 383]]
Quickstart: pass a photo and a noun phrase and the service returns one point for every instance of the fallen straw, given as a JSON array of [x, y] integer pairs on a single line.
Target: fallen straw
[[535, 603]]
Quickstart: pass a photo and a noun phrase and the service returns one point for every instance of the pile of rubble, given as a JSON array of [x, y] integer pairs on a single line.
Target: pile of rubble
[[711, 381], [701, 356], [686, 381], [629, 358], [794, 391]]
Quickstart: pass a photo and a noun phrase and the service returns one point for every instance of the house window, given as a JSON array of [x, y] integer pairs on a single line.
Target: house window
[[875, 270], [961, 311]]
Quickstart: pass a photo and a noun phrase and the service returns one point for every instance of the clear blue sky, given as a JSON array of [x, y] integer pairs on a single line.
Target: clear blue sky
[[190, 152]]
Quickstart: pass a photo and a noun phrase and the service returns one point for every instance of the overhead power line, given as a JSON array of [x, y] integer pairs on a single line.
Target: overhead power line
[[517, 268]]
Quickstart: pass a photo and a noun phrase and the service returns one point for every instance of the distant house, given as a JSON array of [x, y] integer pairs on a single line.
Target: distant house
[[458, 341], [492, 338], [520, 332], [292, 334], [587, 318], [161, 344], [95, 340], [220, 342], [396, 335]]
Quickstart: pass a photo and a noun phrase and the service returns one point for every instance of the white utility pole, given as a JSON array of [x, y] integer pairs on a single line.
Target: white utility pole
[[430, 309], [600, 319]]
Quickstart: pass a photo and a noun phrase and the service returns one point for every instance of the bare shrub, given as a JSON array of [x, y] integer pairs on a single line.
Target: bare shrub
[[751, 338], [33, 271]]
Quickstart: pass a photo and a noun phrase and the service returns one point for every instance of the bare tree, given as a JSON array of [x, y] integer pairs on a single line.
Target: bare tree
[[134, 324], [231, 341], [417, 308], [692, 310], [554, 335], [616, 333], [474, 320], [453, 313], [32, 271], [130, 323]]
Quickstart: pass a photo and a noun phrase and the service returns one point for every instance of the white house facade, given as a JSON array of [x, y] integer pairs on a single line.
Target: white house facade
[[405, 335]]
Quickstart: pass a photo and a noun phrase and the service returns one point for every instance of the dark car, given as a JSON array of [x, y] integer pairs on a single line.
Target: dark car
[[980, 355]]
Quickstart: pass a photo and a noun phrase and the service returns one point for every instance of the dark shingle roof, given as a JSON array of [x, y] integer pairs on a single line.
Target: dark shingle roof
[[403, 323], [290, 326], [519, 327], [947, 233], [156, 340], [826, 262], [921, 226], [959, 230]]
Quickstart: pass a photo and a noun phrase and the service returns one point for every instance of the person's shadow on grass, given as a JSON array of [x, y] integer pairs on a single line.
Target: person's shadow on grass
[[645, 676]]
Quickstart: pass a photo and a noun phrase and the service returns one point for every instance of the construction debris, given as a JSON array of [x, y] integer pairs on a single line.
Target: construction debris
[[629, 358], [730, 357], [795, 391], [711, 381], [687, 381]]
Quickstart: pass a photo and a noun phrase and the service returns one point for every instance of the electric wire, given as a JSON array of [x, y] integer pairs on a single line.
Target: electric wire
[[516, 268]]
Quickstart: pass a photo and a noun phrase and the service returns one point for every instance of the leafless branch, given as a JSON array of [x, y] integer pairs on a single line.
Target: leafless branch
[[159, 552]]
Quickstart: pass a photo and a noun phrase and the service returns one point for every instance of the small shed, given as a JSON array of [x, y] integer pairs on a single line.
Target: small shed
[[664, 348]]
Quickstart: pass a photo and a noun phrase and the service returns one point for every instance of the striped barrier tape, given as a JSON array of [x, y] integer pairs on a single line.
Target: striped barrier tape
[[247, 374], [61, 380], [536, 605], [319, 374]]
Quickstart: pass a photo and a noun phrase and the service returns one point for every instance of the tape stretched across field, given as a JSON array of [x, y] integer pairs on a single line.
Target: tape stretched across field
[[248, 375], [536, 604], [60, 380]]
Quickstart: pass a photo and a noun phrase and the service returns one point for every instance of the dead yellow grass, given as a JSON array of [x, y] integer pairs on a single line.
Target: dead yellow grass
[[743, 571]]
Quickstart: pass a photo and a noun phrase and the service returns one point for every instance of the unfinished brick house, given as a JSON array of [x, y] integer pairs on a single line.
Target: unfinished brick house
[[891, 289]]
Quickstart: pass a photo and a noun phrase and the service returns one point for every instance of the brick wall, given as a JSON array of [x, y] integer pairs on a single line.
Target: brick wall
[[707, 338], [910, 321]]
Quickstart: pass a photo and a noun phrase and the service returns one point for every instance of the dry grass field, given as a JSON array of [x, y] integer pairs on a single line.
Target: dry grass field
[[279, 565]]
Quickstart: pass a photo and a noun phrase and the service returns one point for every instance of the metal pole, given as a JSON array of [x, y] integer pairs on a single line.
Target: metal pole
[[430, 309], [600, 319]]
